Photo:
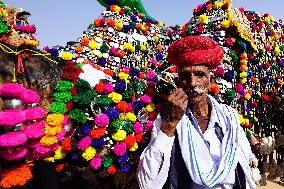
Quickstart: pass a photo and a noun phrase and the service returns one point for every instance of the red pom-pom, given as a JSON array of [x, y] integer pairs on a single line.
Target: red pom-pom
[[100, 87], [122, 107], [111, 170], [130, 141], [97, 133], [139, 137], [69, 105], [66, 145], [152, 115]]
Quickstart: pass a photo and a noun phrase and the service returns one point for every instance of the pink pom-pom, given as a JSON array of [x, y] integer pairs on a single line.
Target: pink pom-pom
[[65, 120], [84, 143], [239, 87], [102, 120], [42, 149], [12, 117], [60, 136], [138, 127], [35, 130], [16, 155], [108, 88], [154, 62], [146, 99], [130, 109], [219, 72], [149, 126], [120, 149], [30, 97], [34, 113], [150, 74], [12, 139], [11, 90], [96, 162]]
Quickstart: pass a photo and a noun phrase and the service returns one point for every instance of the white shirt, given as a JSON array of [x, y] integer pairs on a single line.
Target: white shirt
[[150, 171]]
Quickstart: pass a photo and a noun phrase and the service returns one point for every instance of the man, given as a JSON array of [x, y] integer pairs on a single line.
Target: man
[[196, 142]]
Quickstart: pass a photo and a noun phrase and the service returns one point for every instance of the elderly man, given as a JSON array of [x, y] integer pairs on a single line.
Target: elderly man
[[196, 142]]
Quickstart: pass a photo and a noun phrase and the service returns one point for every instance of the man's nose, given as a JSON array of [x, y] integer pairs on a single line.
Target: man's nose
[[192, 82]]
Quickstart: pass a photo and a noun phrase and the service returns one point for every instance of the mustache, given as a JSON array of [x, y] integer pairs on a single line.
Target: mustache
[[199, 90]]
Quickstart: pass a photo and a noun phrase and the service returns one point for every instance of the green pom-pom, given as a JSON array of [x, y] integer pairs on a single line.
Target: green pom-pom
[[83, 100], [128, 127], [229, 95], [132, 25], [79, 65], [281, 47], [127, 94], [4, 27], [234, 57], [63, 97], [210, 25], [82, 86], [266, 121], [77, 116], [103, 101], [114, 126], [64, 86], [58, 108], [261, 51], [188, 31], [104, 48], [107, 161]]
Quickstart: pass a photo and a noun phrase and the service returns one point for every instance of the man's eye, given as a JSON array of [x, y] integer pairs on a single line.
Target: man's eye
[[200, 74]]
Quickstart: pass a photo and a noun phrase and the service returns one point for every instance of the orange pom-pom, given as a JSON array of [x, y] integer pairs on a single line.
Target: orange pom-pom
[[139, 137], [215, 89], [84, 41], [110, 22]]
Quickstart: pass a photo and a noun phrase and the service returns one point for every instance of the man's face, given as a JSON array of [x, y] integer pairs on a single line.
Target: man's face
[[195, 82]]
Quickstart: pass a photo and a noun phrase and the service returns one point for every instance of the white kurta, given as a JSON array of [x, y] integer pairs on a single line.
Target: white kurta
[[155, 160]]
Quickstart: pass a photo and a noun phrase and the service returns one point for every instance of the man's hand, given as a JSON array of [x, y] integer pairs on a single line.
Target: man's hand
[[174, 110]]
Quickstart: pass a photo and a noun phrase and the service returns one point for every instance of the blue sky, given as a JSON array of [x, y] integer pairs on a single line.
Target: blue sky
[[59, 21]]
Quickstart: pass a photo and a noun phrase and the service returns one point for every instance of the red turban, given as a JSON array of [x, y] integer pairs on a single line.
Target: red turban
[[195, 50]]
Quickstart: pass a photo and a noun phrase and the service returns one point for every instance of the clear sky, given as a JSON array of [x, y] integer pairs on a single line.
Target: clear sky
[[59, 21]]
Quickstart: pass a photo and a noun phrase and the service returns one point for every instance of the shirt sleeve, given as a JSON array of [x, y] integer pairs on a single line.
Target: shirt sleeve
[[155, 160]]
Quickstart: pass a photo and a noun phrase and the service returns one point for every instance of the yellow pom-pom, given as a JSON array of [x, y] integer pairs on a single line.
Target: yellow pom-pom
[[48, 140], [225, 24], [280, 82], [59, 154], [217, 4], [54, 120], [256, 80], [120, 135], [122, 116], [66, 55], [203, 19], [100, 55], [123, 76], [277, 50], [143, 48], [243, 80], [143, 28], [93, 44], [255, 119], [134, 147], [248, 96], [52, 130], [243, 74], [115, 97], [130, 117], [150, 107], [118, 26], [89, 153], [267, 19], [117, 9]]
